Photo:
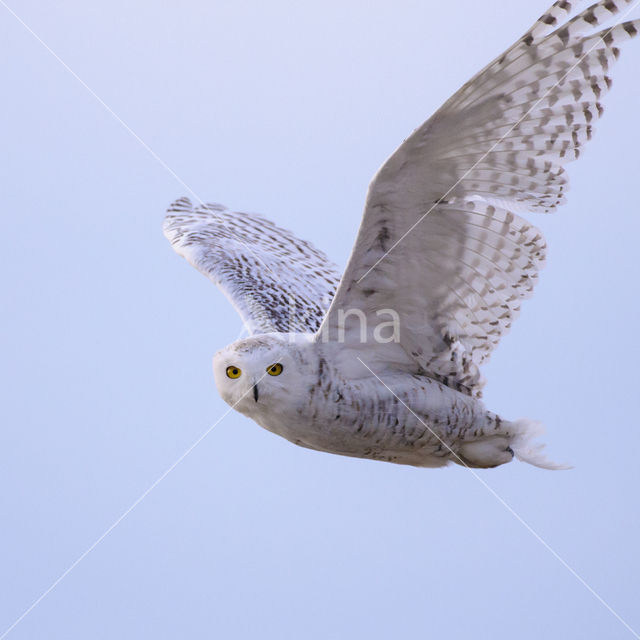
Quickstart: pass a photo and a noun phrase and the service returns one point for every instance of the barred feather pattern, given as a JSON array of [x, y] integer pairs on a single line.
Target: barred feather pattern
[[543, 96], [440, 240], [483, 261], [276, 281]]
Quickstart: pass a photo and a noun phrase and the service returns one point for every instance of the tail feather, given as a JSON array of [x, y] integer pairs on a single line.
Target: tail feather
[[525, 449]]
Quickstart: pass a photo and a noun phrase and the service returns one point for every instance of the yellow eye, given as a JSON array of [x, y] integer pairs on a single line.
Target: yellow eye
[[275, 369], [233, 372]]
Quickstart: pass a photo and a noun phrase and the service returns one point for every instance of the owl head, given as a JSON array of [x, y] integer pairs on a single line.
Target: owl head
[[254, 373]]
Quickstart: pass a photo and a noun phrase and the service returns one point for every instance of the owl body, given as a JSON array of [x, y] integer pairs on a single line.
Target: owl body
[[422, 422], [382, 360]]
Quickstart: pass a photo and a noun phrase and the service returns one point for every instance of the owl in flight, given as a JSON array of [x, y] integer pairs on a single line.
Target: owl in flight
[[384, 361]]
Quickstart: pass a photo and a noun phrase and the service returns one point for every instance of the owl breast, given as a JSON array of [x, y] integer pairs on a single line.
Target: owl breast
[[407, 419]]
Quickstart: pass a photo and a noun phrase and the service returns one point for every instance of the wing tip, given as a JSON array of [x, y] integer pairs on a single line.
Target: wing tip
[[177, 208], [181, 205]]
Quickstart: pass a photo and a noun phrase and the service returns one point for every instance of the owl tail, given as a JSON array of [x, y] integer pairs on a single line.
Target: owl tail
[[525, 449]]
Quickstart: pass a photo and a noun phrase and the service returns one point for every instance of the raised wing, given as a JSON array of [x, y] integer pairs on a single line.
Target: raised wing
[[275, 281], [438, 243]]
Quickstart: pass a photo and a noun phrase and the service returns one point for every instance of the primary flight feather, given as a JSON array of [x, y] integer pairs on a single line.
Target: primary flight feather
[[384, 362]]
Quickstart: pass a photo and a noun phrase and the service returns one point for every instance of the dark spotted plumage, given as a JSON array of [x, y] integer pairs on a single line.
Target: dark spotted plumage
[[456, 262], [442, 248], [276, 281]]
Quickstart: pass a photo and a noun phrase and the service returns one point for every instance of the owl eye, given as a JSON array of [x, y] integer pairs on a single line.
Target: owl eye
[[233, 372], [275, 369]]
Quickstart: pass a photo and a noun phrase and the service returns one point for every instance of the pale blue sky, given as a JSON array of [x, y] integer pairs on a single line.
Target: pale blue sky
[[285, 108]]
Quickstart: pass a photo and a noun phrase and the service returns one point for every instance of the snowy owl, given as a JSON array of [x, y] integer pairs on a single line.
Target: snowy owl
[[383, 362]]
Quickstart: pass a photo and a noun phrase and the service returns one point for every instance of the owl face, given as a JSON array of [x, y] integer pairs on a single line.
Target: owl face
[[257, 372]]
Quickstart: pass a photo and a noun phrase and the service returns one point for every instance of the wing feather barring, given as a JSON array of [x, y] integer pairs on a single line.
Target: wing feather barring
[[383, 361]]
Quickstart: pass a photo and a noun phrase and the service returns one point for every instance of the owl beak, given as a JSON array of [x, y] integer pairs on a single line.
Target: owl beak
[[255, 392]]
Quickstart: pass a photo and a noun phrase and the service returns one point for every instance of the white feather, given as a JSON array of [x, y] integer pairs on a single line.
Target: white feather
[[439, 245]]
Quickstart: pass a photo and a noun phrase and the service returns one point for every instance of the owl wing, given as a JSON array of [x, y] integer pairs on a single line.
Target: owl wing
[[274, 280], [439, 243]]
